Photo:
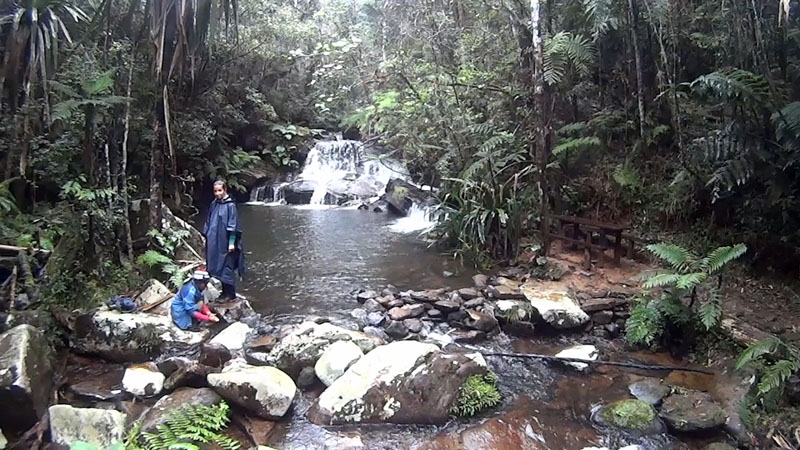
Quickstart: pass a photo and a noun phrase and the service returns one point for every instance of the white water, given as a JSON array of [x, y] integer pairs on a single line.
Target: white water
[[419, 219]]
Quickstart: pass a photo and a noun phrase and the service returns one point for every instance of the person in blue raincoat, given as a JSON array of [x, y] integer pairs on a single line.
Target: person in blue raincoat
[[189, 304], [223, 233]]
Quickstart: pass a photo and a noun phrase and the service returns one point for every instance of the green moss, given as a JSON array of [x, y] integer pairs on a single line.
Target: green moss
[[629, 414], [478, 393]]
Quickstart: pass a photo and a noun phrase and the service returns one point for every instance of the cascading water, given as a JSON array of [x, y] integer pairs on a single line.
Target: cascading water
[[420, 219]]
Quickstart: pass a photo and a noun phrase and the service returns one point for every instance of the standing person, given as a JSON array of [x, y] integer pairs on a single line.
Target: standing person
[[189, 304], [223, 233]]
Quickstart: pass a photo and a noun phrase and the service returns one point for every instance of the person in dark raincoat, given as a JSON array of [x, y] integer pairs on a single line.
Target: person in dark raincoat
[[223, 233]]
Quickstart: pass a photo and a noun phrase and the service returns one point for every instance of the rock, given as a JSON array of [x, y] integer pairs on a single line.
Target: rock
[[130, 337], [93, 391], [603, 317], [234, 310], [406, 312], [143, 380], [335, 360], [3, 441], [434, 313], [400, 195], [394, 303], [585, 352], [372, 305], [428, 296], [447, 306], [467, 336], [214, 354], [377, 332], [263, 343], [360, 314], [386, 386], [474, 303], [389, 290], [365, 295], [26, 378], [265, 391], [555, 307], [601, 332], [480, 281], [613, 329], [375, 319], [692, 411], [100, 427], [457, 318], [170, 365], [304, 346], [480, 321], [649, 391], [468, 293], [602, 304], [510, 431], [232, 337], [157, 415], [413, 325], [396, 329], [719, 446], [307, 378], [633, 416], [504, 293], [505, 281], [191, 375], [153, 292]]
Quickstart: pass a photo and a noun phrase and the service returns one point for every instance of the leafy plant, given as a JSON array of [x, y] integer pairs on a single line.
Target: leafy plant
[[163, 258], [775, 361], [478, 393], [186, 428]]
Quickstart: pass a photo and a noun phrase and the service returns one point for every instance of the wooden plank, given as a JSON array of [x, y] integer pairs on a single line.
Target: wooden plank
[[589, 222]]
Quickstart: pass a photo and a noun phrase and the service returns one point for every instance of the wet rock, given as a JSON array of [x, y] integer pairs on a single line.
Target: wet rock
[[336, 359], [468, 293], [692, 411], [447, 306], [389, 290], [377, 332], [143, 380], [232, 337], [511, 431], [478, 320], [257, 429], [480, 281], [215, 354], [601, 333], [474, 303], [360, 314], [401, 195], [555, 307], [584, 352], [100, 427], [613, 330], [519, 329], [157, 415], [457, 318], [406, 312], [384, 386], [130, 337], [394, 303], [384, 299], [94, 391], [603, 317], [375, 319], [602, 304], [649, 391], [429, 296], [234, 310], [26, 374], [265, 391], [467, 336], [304, 346], [170, 365], [154, 291], [632, 416], [191, 375], [502, 292], [413, 325], [396, 329], [366, 295], [340, 442], [307, 378], [434, 313], [372, 305]]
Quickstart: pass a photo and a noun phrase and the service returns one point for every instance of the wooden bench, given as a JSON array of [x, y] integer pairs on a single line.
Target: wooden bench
[[588, 228]]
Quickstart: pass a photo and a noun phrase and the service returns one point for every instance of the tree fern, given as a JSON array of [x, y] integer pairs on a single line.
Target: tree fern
[[676, 256], [191, 425], [734, 85], [710, 311], [602, 17], [577, 144], [721, 256], [565, 50]]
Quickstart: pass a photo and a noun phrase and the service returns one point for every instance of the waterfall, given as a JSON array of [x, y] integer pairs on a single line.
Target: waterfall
[[258, 194], [420, 219]]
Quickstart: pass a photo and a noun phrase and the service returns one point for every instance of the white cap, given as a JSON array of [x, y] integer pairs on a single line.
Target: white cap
[[200, 274]]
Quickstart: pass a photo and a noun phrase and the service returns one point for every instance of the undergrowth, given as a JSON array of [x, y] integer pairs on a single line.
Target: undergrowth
[[185, 429], [478, 393]]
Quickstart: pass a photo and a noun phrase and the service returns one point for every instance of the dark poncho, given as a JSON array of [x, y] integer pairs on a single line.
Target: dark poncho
[[223, 219]]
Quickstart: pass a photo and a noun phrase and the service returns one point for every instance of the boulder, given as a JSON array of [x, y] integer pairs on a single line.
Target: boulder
[[335, 360], [157, 415], [501, 292], [692, 411], [154, 291], [649, 391], [632, 416], [413, 325], [232, 337], [556, 307], [234, 310], [469, 293], [191, 375], [26, 378], [143, 380], [262, 343], [304, 346], [374, 319], [396, 329], [401, 195], [265, 391], [585, 352], [478, 320], [214, 355], [405, 382], [100, 427], [130, 337], [447, 306]]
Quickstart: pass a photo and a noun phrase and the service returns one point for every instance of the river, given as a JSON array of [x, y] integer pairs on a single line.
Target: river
[[305, 261]]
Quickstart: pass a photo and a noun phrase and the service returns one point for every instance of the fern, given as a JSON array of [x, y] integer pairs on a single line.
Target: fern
[[602, 17], [576, 144], [191, 425], [565, 50], [710, 312], [645, 324], [721, 256], [734, 85], [478, 393], [676, 256], [776, 375], [153, 258]]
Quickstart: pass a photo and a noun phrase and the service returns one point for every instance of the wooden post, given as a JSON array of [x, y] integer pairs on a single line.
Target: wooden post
[[587, 249], [618, 247]]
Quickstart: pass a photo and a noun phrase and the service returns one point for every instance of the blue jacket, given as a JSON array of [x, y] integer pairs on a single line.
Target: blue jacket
[[184, 304], [223, 223]]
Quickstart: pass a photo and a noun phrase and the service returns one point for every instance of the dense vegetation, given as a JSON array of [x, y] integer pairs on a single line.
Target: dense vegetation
[[679, 117]]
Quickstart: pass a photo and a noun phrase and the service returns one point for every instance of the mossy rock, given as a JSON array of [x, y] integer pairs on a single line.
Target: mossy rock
[[634, 416]]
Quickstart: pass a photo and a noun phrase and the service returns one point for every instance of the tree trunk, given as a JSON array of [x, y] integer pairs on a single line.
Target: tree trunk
[[156, 174], [634, 18], [540, 142], [122, 183]]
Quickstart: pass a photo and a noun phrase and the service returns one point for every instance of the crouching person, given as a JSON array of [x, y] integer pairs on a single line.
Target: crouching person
[[188, 305]]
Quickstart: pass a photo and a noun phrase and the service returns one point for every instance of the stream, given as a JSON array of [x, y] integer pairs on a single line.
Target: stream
[[309, 261]]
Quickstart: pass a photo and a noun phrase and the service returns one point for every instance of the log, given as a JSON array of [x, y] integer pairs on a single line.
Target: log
[[13, 249], [742, 333], [157, 302], [600, 362]]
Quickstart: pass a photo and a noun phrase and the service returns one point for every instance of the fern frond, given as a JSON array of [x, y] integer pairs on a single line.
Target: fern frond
[[676, 256], [757, 350], [665, 279], [711, 311], [776, 374], [690, 280], [787, 126], [580, 143], [734, 85], [721, 256], [572, 129]]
